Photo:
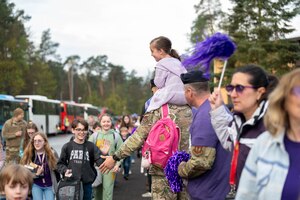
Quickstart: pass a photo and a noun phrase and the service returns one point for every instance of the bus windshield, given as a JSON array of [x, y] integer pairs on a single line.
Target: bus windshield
[[8, 106]]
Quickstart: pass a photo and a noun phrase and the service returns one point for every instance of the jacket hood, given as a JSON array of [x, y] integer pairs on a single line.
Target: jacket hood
[[172, 65]]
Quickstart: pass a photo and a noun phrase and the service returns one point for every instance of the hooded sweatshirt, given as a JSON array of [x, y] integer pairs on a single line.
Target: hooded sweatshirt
[[167, 79], [71, 157]]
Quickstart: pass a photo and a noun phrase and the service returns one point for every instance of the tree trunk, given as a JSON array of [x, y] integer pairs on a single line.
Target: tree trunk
[[101, 88]]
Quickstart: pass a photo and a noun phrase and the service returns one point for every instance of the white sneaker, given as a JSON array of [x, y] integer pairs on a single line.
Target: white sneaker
[[147, 194], [132, 161], [130, 172]]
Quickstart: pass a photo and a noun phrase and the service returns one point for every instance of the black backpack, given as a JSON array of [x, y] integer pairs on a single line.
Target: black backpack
[[70, 188]]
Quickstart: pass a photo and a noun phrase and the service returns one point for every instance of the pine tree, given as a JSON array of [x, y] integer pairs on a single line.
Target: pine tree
[[209, 16], [13, 47], [259, 28]]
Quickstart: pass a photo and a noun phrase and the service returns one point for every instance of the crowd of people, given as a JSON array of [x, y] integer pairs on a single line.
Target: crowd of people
[[92, 138], [244, 151]]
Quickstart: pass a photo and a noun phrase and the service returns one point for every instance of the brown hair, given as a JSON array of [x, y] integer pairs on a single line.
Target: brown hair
[[165, 44], [129, 125], [96, 125], [30, 152], [199, 87], [17, 112], [259, 78], [15, 174], [75, 123], [30, 125]]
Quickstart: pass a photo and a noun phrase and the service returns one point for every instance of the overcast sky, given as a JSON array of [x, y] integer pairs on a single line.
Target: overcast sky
[[120, 29]]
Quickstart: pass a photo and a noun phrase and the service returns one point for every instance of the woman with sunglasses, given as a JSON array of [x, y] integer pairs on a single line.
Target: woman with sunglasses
[[272, 167], [40, 157], [237, 131]]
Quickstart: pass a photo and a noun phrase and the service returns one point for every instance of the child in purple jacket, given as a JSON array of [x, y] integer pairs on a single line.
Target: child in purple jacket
[[167, 74]]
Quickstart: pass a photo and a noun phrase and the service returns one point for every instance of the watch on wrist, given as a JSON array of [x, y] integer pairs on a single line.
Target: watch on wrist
[[116, 158]]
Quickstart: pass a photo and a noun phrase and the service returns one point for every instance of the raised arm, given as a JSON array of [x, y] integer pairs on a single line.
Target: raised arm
[[220, 119]]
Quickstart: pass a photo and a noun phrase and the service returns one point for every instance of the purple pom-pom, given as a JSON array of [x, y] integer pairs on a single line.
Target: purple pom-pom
[[217, 46], [171, 170]]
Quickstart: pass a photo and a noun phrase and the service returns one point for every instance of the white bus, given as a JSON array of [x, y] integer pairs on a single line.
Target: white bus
[[44, 112], [90, 110]]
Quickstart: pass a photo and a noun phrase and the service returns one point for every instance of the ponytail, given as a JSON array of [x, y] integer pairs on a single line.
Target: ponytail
[[165, 44], [174, 54]]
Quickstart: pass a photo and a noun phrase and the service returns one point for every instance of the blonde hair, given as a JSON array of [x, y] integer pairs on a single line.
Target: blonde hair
[[276, 118], [15, 174], [30, 152]]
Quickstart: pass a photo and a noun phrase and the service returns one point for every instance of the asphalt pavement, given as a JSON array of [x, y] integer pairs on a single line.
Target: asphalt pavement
[[131, 189], [134, 187]]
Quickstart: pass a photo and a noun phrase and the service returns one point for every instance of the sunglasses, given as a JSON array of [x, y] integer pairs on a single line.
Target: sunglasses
[[296, 91], [238, 88]]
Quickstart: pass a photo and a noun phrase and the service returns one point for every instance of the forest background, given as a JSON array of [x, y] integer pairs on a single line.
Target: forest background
[[259, 29]]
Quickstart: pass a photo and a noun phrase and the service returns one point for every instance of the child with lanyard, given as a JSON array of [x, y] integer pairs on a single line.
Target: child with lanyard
[[41, 158]]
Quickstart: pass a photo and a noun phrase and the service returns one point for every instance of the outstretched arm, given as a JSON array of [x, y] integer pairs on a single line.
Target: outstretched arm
[[220, 119], [134, 142]]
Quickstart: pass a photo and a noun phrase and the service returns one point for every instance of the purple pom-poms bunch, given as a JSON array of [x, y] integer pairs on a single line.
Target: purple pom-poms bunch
[[217, 46], [171, 170]]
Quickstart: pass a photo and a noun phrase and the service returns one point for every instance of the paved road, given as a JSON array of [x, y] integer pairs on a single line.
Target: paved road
[[131, 189]]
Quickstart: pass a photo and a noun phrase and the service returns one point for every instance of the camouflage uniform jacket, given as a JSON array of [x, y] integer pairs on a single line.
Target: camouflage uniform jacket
[[183, 118], [10, 127]]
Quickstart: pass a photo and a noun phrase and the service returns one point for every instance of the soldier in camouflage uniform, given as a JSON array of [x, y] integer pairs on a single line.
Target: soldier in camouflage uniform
[[208, 168], [160, 187], [13, 133]]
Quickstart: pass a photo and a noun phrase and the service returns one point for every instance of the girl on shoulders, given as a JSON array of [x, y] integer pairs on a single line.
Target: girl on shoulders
[[167, 74]]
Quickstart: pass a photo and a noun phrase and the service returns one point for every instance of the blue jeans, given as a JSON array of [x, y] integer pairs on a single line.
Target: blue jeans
[[38, 193], [126, 165], [87, 191]]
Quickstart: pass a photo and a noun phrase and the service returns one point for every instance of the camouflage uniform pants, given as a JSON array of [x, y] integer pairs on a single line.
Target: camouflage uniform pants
[[12, 156], [162, 191]]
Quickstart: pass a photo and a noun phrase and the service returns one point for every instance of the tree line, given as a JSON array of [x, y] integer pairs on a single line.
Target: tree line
[[29, 69], [257, 27]]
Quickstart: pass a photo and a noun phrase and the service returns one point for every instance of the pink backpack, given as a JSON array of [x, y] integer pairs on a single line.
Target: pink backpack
[[162, 141]]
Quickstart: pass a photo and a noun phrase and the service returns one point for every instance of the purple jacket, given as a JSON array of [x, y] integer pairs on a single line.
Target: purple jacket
[[167, 79]]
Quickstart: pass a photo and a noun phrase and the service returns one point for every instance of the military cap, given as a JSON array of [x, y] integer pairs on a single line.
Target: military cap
[[193, 77]]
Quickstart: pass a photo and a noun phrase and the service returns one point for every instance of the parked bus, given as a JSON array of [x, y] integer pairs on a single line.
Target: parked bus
[[44, 112], [7, 105], [90, 110], [69, 111]]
